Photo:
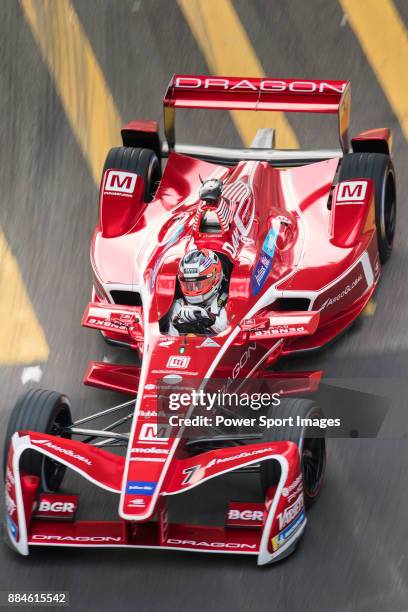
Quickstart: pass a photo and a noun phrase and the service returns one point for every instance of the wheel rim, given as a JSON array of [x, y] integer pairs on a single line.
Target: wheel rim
[[313, 464]]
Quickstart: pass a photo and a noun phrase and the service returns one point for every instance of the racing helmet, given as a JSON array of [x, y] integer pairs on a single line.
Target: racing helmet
[[200, 276]]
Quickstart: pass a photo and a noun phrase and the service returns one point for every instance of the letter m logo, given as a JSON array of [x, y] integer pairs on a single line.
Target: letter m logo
[[120, 182], [154, 433], [352, 192]]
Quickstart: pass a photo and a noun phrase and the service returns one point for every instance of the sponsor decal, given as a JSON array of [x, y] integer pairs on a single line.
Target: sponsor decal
[[10, 482], [138, 502], [351, 192], [10, 504], [126, 317], [243, 455], [190, 474], [166, 343], [109, 324], [120, 183], [287, 490], [56, 505], [290, 512], [269, 244], [64, 451], [284, 535], [274, 330], [197, 544], [12, 527], [143, 487], [239, 194], [147, 414], [150, 387], [283, 219], [85, 539], [150, 432], [349, 287], [47, 506], [150, 451], [193, 270], [266, 85], [260, 273], [209, 342], [246, 355], [245, 515], [178, 362], [295, 493]]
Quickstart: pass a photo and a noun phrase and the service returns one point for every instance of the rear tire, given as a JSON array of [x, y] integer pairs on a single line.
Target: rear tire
[[143, 162], [45, 412], [312, 447], [380, 169]]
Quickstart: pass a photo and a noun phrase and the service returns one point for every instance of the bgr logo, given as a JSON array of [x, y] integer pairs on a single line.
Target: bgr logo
[[245, 515], [120, 182], [351, 191], [46, 506]]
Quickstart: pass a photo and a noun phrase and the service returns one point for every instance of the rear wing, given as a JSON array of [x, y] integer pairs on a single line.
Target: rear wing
[[236, 93]]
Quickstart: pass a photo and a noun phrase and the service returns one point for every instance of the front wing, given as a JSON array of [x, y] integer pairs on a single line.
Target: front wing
[[269, 530]]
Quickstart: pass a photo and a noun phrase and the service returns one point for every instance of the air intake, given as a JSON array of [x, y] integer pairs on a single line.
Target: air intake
[[126, 298], [291, 304]]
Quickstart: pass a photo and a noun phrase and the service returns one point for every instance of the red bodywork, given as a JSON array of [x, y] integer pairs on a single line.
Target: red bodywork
[[303, 259]]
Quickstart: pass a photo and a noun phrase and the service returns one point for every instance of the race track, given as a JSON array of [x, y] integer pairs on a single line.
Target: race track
[[353, 556]]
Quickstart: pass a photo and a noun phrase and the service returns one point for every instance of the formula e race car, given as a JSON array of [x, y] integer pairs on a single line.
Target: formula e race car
[[301, 237]]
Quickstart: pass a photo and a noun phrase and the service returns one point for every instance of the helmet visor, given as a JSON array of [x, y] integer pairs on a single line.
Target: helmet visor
[[196, 286]]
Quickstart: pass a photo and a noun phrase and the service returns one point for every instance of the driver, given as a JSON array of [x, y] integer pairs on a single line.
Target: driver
[[201, 309]]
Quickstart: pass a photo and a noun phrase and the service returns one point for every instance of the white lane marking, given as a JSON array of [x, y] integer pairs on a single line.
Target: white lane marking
[[344, 20], [31, 374]]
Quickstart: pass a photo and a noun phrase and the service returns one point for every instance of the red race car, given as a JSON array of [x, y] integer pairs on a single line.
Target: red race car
[[211, 263]]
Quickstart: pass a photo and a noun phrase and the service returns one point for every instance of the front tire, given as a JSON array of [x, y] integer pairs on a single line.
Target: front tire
[[143, 162], [380, 169], [310, 441], [42, 411]]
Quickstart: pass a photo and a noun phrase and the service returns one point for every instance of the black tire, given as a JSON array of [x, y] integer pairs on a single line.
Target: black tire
[[44, 412], [143, 162], [380, 169], [311, 443]]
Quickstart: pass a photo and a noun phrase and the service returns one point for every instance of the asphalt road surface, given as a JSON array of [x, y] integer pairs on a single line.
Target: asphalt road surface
[[353, 556]]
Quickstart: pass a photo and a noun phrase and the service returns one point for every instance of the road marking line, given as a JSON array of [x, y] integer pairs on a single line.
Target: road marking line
[[96, 123], [79, 80], [227, 50], [31, 374], [22, 337], [384, 40], [370, 309]]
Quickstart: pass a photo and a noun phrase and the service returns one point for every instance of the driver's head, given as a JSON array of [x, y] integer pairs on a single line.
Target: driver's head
[[200, 276]]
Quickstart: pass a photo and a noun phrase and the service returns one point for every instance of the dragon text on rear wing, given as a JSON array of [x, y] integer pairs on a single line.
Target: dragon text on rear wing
[[236, 93]]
